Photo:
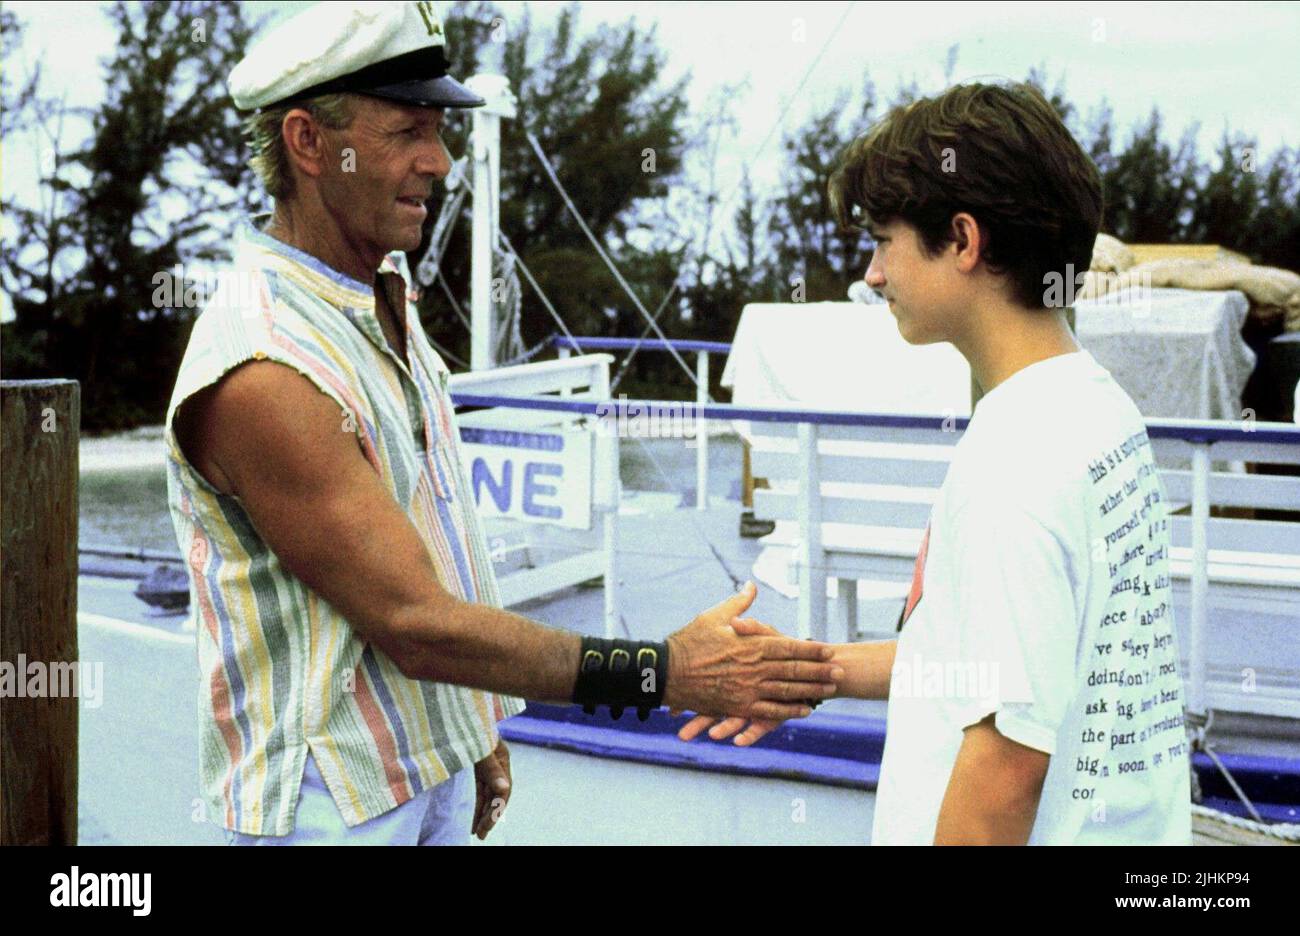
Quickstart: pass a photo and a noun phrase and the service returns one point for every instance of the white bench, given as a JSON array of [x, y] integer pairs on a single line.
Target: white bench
[[875, 485]]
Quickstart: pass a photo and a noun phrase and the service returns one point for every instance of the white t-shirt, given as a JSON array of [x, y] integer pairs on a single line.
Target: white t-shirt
[[1042, 595]]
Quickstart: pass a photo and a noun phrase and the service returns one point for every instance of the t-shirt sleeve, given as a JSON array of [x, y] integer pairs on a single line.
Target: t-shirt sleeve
[[1017, 621]]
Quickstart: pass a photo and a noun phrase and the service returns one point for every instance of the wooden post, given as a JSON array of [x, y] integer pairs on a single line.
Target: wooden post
[[748, 483], [746, 476], [40, 430]]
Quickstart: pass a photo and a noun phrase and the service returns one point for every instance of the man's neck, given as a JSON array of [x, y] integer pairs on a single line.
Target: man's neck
[[311, 229], [1004, 340]]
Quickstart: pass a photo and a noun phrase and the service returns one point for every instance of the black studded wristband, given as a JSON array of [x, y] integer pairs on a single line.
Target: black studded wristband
[[621, 674]]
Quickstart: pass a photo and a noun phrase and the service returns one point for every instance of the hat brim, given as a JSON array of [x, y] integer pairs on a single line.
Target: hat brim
[[432, 92]]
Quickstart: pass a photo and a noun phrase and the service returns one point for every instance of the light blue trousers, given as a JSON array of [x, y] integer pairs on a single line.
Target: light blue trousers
[[438, 816]]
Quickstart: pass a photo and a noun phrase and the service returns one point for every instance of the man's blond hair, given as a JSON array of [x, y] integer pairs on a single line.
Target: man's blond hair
[[270, 159]]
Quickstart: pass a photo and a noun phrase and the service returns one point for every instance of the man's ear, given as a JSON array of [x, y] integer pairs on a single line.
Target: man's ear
[[304, 142], [968, 238]]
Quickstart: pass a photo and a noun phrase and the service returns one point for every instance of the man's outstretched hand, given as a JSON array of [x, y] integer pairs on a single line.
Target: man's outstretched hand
[[723, 728], [749, 673]]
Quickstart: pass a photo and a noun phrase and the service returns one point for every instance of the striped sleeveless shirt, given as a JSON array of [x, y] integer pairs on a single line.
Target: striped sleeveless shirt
[[281, 671]]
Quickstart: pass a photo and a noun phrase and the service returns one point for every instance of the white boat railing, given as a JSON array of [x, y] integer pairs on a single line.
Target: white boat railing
[[1203, 440], [701, 349]]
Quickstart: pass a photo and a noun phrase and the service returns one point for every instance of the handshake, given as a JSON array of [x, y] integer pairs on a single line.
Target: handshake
[[746, 676]]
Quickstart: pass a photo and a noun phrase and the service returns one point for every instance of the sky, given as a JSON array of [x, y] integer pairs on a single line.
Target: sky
[[1220, 64], [1217, 64]]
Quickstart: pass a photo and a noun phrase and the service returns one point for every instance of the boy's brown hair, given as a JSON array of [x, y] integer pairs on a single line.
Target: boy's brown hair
[[998, 152]]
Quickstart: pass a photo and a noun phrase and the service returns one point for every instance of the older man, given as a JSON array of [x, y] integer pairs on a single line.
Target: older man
[[354, 655]]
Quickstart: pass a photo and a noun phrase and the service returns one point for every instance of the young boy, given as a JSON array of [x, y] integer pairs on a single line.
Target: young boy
[[1040, 615]]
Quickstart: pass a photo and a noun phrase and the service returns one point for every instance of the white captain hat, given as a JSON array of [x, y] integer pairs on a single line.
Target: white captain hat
[[396, 51]]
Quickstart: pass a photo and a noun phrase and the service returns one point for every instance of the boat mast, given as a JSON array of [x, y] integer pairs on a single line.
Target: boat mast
[[495, 89]]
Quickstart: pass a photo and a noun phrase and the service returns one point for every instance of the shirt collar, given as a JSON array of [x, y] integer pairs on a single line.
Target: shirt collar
[[353, 298], [1080, 362]]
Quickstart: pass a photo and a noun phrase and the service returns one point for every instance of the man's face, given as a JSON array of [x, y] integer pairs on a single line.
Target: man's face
[[388, 160], [920, 289]]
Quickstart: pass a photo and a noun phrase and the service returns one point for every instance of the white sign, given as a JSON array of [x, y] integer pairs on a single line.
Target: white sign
[[537, 477]]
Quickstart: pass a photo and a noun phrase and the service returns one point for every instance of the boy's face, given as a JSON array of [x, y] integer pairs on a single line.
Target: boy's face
[[923, 292]]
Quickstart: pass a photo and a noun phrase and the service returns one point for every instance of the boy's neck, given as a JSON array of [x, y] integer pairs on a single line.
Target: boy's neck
[[1004, 340]]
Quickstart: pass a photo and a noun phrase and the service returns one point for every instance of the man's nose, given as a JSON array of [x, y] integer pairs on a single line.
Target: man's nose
[[434, 160]]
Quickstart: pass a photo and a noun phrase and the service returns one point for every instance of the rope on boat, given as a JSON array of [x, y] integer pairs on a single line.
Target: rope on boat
[[1198, 728], [1287, 832], [600, 251]]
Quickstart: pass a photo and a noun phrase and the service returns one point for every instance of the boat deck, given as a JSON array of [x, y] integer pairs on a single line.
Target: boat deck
[[139, 747]]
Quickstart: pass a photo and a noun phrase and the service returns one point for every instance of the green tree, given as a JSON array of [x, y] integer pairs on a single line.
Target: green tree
[[20, 102], [615, 137], [1151, 189], [1226, 204], [159, 181], [1274, 236], [813, 260]]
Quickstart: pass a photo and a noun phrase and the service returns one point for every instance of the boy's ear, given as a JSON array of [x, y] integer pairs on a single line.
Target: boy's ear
[[966, 235], [959, 232]]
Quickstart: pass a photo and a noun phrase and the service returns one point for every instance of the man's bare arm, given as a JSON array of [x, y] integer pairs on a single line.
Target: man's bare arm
[[292, 459]]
